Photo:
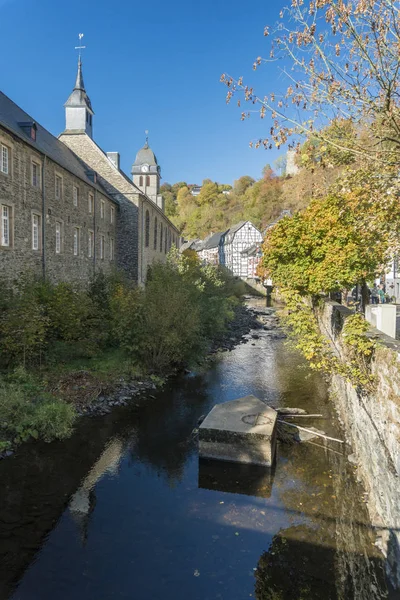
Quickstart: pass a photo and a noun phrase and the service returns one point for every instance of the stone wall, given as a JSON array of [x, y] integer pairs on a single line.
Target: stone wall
[[372, 425], [25, 200], [134, 253]]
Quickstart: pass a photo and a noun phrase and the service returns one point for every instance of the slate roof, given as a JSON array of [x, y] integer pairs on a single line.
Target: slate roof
[[213, 240], [78, 96], [11, 115], [191, 245], [232, 230], [146, 156]]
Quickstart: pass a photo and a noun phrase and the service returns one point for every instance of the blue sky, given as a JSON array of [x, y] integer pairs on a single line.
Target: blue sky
[[148, 65]]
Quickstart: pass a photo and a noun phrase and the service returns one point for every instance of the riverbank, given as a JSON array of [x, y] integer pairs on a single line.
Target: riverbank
[[125, 499], [100, 384]]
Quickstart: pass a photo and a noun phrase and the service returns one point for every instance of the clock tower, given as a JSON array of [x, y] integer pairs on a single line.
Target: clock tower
[[146, 174]]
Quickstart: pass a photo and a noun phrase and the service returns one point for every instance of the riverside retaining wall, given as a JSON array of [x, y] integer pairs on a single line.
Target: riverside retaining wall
[[372, 426]]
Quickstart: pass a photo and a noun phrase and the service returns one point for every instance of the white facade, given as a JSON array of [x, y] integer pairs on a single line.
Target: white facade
[[234, 246]]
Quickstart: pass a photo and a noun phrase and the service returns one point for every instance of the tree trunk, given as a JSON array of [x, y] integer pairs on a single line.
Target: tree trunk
[[364, 295]]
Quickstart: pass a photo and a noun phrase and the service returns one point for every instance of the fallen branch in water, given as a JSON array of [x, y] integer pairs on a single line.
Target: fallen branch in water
[[302, 416], [323, 447], [326, 437]]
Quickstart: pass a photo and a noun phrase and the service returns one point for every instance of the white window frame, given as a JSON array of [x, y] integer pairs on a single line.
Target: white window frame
[[112, 249], [4, 159], [58, 237], [36, 183], [90, 203], [75, 195], [76, 241], [36, 230], [102, 247], [58, 186], [112, 211], [102, 209], [6, 219], [90, 243]]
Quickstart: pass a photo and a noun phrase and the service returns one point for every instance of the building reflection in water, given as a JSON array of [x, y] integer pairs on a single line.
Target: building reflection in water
[[235, 478], [83, 501]]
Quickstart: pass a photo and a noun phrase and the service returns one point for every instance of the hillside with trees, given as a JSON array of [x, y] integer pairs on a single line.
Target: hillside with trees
[[218, 206]]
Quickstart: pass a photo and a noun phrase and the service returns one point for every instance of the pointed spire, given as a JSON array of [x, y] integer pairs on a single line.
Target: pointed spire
[[79, 85]]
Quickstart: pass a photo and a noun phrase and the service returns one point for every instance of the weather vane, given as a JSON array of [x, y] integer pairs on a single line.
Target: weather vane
[[80, 47], [147, 136]]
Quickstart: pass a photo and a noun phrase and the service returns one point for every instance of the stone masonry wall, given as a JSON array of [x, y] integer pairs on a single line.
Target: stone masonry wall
[[24, 200], [372, 426], [133, 254]]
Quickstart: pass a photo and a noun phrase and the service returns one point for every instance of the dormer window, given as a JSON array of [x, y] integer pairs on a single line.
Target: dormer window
[[29, 128]]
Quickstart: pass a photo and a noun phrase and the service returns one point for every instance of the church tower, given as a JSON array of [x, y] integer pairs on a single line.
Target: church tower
[[146, 174], [78, 108]]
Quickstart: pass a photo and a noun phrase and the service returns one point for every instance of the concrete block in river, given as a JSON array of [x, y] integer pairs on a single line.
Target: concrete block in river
[[242, 431]]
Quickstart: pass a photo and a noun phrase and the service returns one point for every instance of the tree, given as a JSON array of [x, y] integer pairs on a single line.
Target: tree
[[342, 62], [339, 240], [241, 185]]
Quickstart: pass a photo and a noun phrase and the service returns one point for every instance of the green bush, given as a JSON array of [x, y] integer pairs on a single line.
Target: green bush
[[26, 411], [171, 321]]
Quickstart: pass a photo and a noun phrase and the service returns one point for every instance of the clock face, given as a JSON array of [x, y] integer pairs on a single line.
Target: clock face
[[145, 168]]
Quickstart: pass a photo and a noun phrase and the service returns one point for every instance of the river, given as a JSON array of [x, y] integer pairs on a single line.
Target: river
[[124, 510]]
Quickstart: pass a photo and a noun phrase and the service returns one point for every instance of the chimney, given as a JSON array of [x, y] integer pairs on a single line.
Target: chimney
[[114, 158]]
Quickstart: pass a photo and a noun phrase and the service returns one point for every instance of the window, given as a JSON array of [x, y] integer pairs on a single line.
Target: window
[[147, 230], [6, 212], [35, 174], [4, 159], [155, 233], [112, 214], [91, 203], [58, 237], [75, 195], [141, 181], [91, 244], [76, 241], [35, 232], [58, 187], [147, 180], [102, 244], [161, 236], [111, 248], [165, 241], [102, 204]]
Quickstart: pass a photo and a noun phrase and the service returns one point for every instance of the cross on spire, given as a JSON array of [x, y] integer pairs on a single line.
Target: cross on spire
[[80, 47], [147, 137]]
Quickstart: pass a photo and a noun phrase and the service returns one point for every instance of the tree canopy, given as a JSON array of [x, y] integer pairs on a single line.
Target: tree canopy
[[341, 63]]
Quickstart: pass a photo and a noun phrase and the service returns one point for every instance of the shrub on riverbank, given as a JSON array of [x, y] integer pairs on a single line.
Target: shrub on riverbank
[[166, 325], [27, 411]]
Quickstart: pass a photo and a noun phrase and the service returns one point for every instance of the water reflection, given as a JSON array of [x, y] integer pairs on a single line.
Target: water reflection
[[233, 478], [124, 508]]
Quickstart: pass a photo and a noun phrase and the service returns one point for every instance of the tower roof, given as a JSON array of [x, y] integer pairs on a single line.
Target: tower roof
[[145, 156], [79, 97]]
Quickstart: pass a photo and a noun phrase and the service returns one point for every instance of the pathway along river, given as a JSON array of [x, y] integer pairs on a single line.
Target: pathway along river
[[124, 510]]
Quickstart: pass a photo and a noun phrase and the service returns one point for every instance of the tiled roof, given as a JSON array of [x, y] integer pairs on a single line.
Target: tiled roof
[[46, 143]]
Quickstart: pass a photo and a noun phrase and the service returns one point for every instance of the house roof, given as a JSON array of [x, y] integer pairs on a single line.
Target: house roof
[[11, 117], [191, 245], [213, 240], [236, 227]]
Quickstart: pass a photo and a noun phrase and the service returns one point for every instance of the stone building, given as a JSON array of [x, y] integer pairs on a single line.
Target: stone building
[[144, 232], [56, 218], [67, 209]]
